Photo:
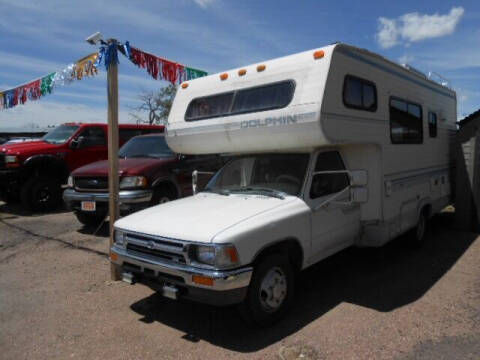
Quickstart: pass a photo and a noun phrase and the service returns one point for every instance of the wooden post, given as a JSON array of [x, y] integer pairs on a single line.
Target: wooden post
[[112, 93]]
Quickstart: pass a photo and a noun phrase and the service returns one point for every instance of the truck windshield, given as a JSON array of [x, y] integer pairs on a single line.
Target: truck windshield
[[146, 146], [60, 134], [266, 174]]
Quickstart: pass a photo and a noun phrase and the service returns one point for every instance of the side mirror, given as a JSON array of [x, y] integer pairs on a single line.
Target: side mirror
[[74, 144], [78, 143], [358, 177], [196, 187]]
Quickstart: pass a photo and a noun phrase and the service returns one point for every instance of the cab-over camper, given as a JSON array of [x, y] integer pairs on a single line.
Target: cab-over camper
[[333, 147]]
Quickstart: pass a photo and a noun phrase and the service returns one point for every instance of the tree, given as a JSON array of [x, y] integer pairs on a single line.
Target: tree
[[157, 104]]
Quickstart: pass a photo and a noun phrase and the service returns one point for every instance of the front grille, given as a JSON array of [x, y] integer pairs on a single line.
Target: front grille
[[163, 249], [91, 183]]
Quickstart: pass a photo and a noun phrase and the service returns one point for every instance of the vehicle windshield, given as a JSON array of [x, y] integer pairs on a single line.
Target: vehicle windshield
[[60, 134], [146, 146], [265, 174]]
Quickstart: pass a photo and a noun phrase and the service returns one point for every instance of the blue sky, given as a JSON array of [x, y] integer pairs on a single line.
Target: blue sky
[[39, 37]]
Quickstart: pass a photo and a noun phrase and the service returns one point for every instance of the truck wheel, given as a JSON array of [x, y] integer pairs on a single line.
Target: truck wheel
[[162, 195], [417, 234], [270, 293], [41, 193], [89, 220]]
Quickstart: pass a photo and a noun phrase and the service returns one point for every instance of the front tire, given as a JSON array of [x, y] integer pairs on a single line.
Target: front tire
[[417, 235], [41, 193], [162, 195], [271, 291]]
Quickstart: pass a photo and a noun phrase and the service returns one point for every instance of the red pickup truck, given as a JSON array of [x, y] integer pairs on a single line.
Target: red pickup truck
[[34, 171], [149, 174]]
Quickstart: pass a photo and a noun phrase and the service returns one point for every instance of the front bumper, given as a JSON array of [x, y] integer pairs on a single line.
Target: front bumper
[[9, 180], [129, 200], [229, 286]]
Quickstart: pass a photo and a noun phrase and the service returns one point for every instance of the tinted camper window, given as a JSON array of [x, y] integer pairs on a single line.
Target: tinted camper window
[[259, 98], [359, 94], [432, 124], [405, 122]]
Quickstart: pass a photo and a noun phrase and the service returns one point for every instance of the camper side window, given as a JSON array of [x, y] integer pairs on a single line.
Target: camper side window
[[359, 94], [325, 184], [432, 124], [405, 122]]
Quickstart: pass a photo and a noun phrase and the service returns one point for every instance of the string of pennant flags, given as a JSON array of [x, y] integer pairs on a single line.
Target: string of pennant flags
[[158, 68]]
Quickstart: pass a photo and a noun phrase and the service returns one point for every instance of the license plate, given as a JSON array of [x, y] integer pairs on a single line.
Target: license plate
[[88, 206]]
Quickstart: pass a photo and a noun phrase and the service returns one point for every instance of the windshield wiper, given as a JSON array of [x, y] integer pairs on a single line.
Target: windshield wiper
[[217, 191], [262, 191]]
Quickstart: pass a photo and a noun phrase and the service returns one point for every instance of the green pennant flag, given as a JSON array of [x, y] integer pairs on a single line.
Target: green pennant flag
[[47, 84]]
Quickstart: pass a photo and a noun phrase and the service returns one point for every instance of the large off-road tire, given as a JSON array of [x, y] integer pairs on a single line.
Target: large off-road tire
[[90, 220], [41, 193], [418, 233], [270, 293], [162, 194]]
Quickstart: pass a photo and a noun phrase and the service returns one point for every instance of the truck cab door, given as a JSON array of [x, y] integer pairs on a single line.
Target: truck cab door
[[90, 146], [334, 224]]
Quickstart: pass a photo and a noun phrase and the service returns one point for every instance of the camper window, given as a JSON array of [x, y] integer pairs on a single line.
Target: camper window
[[432, 124], [325, 184], [405, 122], [359, 94], [259, 98]]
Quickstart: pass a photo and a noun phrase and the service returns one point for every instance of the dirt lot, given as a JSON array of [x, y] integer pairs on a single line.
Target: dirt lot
[[56, 302]]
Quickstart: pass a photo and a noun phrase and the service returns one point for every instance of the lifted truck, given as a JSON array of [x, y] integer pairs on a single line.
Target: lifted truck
[[34, 171]]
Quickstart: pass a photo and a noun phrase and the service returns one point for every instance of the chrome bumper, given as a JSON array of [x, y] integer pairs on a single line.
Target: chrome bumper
[[125, 196], [223, 280]]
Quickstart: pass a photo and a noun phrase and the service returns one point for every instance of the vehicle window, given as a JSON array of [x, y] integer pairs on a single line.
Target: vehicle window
[[359, 94], [432, 124], [406, 125], [325, 184], [263, 98], [93, 136], [260, 98], [127, 134], [146, 146], [274, 172], [60, 134]]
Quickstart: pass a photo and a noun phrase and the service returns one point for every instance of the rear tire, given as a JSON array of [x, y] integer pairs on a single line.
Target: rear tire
[[270, 293], [41, 193], [417, 234], [89, 220]]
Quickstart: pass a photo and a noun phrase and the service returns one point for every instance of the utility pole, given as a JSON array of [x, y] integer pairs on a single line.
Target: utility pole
[[112, 93]]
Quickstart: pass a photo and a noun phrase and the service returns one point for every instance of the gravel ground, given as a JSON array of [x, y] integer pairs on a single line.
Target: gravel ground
[[56, 302]]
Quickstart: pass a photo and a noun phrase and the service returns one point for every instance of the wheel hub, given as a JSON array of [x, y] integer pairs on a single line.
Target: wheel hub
[[273, 289]]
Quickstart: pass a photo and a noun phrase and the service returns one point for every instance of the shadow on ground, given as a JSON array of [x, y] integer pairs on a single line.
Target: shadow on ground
[[15, 210], [381, 279]]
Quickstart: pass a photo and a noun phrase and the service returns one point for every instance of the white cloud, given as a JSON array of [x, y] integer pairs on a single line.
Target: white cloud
[[413, 27], [203, 3]]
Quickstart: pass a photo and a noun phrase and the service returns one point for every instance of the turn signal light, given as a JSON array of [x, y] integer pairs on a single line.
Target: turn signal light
[[203, 280], [242, 72], [318, 54], [261, 67], [224, 76], [184, 85], [113, 256]]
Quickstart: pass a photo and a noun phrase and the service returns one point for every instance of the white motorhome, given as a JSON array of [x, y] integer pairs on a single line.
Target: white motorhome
[[332, 147]]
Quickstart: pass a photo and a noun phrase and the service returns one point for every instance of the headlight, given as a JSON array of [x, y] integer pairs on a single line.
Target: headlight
[[11, 161], [70, 182], [218, 256], [133, 182], [119, 237]]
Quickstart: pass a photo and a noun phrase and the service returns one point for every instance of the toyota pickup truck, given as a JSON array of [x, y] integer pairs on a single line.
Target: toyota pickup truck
[[149, 174], [34, 171]]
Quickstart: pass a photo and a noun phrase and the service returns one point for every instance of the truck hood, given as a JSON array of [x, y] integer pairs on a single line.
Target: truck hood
[[130, 166], [200, 217], [27, 147]]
